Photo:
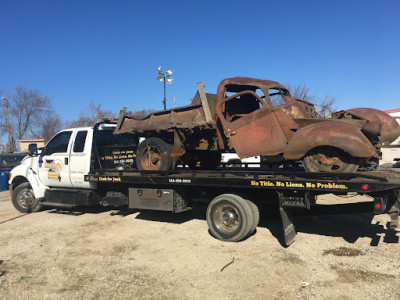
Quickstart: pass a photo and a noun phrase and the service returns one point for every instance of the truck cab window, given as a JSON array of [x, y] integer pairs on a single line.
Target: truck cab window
[[241, 104], [277, 96], [80, 140], [59, 144]]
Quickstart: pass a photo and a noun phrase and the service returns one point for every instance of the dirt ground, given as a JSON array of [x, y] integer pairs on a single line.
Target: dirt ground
[[112, 254]]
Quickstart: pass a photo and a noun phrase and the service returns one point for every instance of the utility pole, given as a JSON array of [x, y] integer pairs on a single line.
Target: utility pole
[[8, 126]]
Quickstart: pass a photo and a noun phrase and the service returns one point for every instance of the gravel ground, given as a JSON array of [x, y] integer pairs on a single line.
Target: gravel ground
[[109, 254]]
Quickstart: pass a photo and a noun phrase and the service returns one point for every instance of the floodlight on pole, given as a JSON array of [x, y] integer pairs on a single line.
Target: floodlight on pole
[[166, 78]]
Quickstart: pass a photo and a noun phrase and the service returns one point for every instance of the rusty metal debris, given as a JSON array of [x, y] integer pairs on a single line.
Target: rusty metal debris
[[255, 117]]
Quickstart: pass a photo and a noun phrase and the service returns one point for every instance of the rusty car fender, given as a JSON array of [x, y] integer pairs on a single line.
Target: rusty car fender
[[389, 129], [333, 133]]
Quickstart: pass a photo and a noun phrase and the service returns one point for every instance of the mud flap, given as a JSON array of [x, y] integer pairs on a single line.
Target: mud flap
[[394, 211], [289, 231]]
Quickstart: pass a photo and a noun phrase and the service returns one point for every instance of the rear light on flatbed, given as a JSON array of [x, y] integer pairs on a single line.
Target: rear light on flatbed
[[380, 205]]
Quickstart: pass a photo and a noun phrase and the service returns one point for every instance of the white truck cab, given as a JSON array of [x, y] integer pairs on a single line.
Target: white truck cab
[[65, 160]]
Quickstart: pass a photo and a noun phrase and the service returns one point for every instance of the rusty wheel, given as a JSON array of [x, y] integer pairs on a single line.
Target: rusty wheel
[[154, 154], [329, 159], [151, 158]]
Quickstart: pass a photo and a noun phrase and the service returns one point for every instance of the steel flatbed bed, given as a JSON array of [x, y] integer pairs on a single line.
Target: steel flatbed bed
[[363, 183], [292, 189]]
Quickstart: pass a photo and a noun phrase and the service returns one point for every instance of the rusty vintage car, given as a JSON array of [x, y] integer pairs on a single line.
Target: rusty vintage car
[[258, 117]]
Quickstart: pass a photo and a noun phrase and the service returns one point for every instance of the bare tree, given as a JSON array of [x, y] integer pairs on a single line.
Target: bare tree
[[29, 113], [51, 126], [301, 91], [324, 106], [141, 113], [90, 116]]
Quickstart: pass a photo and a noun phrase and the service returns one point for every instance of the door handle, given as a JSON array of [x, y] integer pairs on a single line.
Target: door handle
[[49, 160], [66, 161], [233, 133]]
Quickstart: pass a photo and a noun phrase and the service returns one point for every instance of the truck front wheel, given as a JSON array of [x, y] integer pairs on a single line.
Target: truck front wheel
[[24, 199], [154, 154], [230, 218]]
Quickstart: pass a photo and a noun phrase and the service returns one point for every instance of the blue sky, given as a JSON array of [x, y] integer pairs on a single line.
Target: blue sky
[[106, 51]]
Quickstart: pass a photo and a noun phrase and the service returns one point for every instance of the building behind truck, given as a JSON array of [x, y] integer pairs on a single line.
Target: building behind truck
[[391, 153]]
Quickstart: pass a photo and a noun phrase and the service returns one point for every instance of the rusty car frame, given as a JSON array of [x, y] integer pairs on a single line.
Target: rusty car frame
[[255, 117]]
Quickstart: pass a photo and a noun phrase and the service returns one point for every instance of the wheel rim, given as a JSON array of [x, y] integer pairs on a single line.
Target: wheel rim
[[151, 159], [227, 218], [26, 199], [328, 161]]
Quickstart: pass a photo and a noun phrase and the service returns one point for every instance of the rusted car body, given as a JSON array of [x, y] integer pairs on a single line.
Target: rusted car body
[[259, 117]]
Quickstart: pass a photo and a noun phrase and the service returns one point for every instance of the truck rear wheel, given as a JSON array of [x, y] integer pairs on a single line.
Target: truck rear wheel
[[24, 199], [230, 218], [154, 154], [256, 215]]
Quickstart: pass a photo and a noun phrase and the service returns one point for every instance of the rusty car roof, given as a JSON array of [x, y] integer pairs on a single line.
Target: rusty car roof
[[264, 84]]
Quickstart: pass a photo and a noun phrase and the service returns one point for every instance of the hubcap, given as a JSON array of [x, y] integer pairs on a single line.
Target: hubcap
[[151, 159], [227, 218], [26, 198], [328, 161]]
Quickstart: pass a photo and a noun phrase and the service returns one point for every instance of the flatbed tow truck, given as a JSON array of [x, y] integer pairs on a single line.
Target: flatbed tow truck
[[229, 190], [85, 166]]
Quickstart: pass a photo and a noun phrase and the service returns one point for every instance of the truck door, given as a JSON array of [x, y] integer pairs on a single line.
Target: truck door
[[79, 163], [53, 166], [251, 125]]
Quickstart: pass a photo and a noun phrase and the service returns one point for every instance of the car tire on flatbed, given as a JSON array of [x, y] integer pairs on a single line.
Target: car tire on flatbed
[[154, 154], [230, 218], [330, 159]]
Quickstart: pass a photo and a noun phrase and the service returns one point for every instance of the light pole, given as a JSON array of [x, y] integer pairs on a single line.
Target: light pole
[[166, 78], [8, 126]]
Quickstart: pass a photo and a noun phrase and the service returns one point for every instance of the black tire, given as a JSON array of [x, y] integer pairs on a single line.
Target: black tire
[[24, 199], [154, 154], [234, 163], [230, 218], [202, 160], [256, 216], [330, 159]]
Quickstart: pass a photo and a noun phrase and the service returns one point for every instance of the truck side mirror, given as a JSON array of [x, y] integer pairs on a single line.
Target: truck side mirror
[[32, 149]]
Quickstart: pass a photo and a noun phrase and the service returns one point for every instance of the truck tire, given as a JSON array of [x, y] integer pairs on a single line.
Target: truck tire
[[24, 200], [230, 218], [256, 215], [234, 163], [330, 159], [154, 154]]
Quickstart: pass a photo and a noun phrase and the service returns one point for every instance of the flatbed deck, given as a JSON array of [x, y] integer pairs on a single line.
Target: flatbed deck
[[291, 189], [363, 183]]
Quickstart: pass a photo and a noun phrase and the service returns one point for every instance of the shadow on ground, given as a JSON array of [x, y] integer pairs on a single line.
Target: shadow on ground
[[350, 221]]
